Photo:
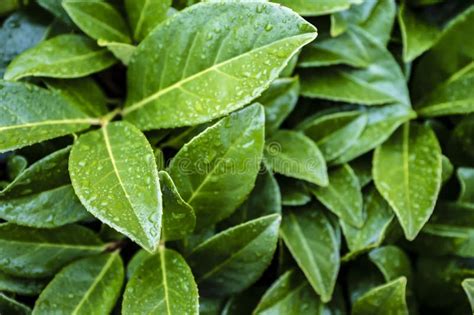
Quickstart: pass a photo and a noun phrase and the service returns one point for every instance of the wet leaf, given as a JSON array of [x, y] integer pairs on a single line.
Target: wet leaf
[[317, 7], [145, 15]]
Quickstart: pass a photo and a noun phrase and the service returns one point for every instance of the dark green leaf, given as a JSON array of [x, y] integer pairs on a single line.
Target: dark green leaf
[[468, 286], [293, 192], [10, 306], [22, 286]]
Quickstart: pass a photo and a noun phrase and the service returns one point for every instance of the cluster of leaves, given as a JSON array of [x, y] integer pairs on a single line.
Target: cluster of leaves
[[175, 157]]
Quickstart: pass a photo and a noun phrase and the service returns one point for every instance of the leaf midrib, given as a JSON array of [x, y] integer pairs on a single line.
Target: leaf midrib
[[90, 121]]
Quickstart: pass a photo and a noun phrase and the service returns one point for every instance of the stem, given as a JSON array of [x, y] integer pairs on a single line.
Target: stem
[[104, 120]]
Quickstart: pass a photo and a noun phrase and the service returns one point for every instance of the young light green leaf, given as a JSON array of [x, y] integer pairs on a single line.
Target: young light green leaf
[[216, 170], [84, 93], [418, 35], [291, 294], [162, 284], [22, 286], [233, 61], [38, 253], [279, 101], [295, 155], [64, 56], [145, 15], [334, 133], [378, 216], [98, 19], [119, 187], [318, 7], [293, 192], [382, 121], [90, 285], [121, 51], [22, 124], [313, 243], [381, 82], [343, 195], [407, 172], [232, 260], [178, 216], [42, 196], [468, 286], [390, 297], [10, 306]]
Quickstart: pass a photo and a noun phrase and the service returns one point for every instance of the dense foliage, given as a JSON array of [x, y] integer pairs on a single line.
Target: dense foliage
[[233, 157]]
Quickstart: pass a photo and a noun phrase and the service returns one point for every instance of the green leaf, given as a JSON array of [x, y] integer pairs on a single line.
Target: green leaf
[[162, 284], [15, 165], [178, 216], [378, 216], [216, 170], [382, 121], [232, 260], [90, 285], [119, 188], [390, 297], [42, 196], [375, 17], [334, 133], [145, 15], [64, 56], [85, 94], [381, 82], [392, 262], [318, 7], [121, 51], [20, 31], [293, 192], [137, 259], [417, 34], [233, 61], [279, 101], [295, 155], [36, 253], [22, 124], [22, 286], [468, 286], [291, 294], [343, 196], [465, 176], [459, 143], [56, 8], [407, 172], [10, 306], [318, 257], [98, 19], [362, 167]]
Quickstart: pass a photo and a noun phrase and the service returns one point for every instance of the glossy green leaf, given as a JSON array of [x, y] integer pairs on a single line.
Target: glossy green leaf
[[279, 101], [216, 170], [390, 297], [313, 243], [22, 124], [291, 294], [293, 192], [90, 285], [465, 176], [378, 216], [222, 77], [318, 7], [85, 94], [381, 82], [10, 306], [343, 196], [114, 174], [137, 259], [295, 155], [178, 216], [22, 286], [407, 172], [42, 196], [417, 34], [145, 15], [64, 56], [234, 259], [392, 262], [382, 121], [37, 253], [20, 31], [121, 51], [334, 133], [98, 19], [468, 286], [162, 284]]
